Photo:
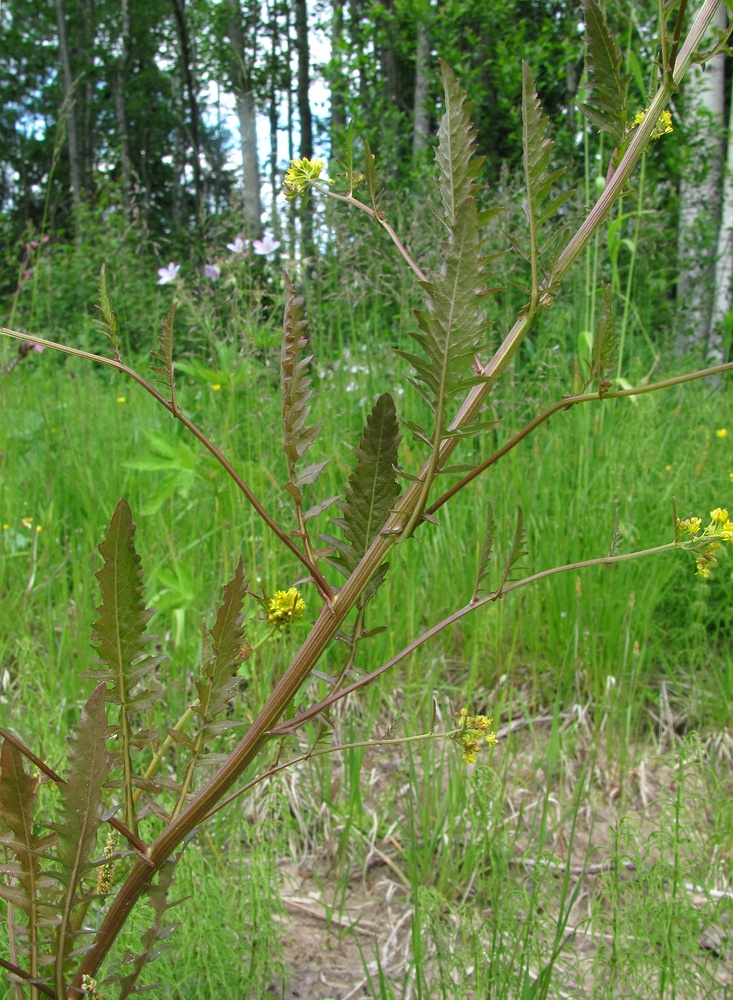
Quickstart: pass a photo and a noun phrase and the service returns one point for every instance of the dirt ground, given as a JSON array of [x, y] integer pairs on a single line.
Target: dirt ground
[[331, 936]]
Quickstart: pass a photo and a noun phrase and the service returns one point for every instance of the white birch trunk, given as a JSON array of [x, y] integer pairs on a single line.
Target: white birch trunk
[[723, 296], [700, 199]]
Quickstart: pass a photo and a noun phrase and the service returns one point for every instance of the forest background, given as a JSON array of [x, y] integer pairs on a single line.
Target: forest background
[[153, 138]]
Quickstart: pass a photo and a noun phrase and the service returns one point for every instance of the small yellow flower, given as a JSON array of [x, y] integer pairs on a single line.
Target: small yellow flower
[[38, 528], [690, 526], [121, 399], [215, 387], [722, 432], [6, 527], [663, 126], [286, 607], [300, 175], [719, 515], [473, 732], [668, 468], [27, 522]]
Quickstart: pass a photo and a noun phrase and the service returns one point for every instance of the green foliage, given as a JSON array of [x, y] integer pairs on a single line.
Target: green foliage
[[453, 325], [79, 822], [372, 492], [608, 104], [164, 355], [121, 641], [296, 395], [540, 182], [108, 322], [30, 893]]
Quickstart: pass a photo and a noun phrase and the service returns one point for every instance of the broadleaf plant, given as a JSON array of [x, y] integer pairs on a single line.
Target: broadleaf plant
[[375, 518]]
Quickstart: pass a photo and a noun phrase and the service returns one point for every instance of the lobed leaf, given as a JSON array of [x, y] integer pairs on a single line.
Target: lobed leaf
[[164, 371], [108, 322], [228, 650], [487, 546], [605, 345], [455, 155], [607, 106], [18, 792], [81, 816], [295, 391], [539, 206], [452, 324], [373, 490], [121, 641]]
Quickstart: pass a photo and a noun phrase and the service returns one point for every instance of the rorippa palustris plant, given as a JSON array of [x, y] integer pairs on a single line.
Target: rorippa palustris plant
[[119, 827]]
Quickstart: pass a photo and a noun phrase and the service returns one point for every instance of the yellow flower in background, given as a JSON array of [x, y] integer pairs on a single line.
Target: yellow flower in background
[[27, 522], [286, 607], [121, 399], [38, 528], [722, 432], [215, 387]]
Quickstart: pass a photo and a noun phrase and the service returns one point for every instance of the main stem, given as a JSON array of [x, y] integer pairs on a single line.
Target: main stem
[[330, 620]]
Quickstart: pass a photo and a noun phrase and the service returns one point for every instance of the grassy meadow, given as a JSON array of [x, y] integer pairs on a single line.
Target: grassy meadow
[[587, 855]]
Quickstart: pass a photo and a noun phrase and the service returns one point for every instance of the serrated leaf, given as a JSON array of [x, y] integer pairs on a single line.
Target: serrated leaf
[[487, 546], [607, 106], [120, 638], [164, 371], [455, 155], [318, 508], [518, 549], [108, 322], [373, 488], [295, 385], [81, 815], [453, 326], [605, 345], [539, 206], [227, 650]]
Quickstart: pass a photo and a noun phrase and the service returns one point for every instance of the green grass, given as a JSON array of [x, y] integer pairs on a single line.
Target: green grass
[[632, 653]]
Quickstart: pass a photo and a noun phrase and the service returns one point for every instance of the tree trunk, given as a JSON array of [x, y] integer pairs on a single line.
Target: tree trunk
[[338, 83], [421, 123], [291, 138], [120, 88], [72, 135], [246, 113], [273, 116], [700, 199], [306, 122], [723, 296], [193, 108]]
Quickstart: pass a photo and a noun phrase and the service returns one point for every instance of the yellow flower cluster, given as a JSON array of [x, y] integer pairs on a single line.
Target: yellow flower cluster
[[663, 126], [300, 175], [286, 607], [473, 732], [720, 529]]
